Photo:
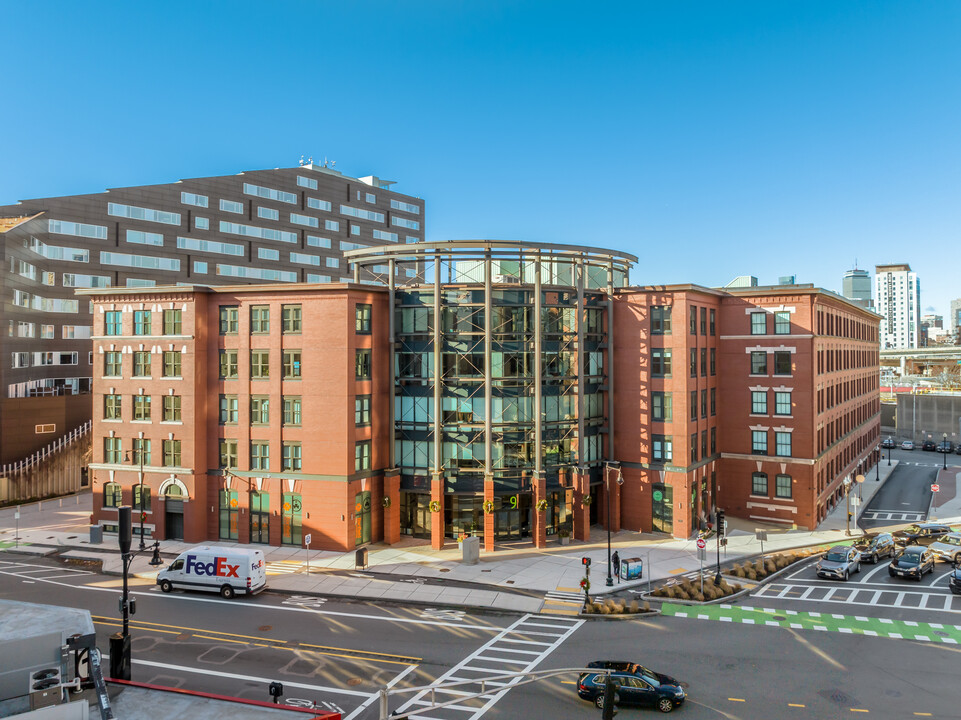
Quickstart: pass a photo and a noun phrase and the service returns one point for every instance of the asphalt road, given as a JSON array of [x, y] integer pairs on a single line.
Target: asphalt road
[[337, 655], [906, 494]]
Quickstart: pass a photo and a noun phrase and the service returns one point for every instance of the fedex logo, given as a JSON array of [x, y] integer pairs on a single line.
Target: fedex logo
[[218, 567]]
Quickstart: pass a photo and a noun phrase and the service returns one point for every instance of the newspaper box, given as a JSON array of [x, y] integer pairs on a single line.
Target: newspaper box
[[632, 568]]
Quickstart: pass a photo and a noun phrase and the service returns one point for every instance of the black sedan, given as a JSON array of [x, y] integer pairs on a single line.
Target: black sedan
[[634, 684], [954, 581], [920, 533], [888, 442], [873, 547], [912, 562], [928, 446]]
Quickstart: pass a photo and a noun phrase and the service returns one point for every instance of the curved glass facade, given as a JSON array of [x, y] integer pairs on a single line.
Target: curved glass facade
[[500, 378]]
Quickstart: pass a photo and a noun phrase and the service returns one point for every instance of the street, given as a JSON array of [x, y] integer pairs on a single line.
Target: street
[[906, 496]]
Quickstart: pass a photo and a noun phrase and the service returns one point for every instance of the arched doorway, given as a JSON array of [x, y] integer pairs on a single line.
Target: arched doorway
[[174, 512]]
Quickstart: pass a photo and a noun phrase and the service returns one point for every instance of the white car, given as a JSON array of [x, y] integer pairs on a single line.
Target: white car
[[948, 548], [907, 445]]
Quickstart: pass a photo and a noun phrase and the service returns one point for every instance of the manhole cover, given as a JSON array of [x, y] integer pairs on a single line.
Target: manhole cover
[[354, 681], [780, 617], [265, 628], [836, 696], [940, 633], [444, 569]]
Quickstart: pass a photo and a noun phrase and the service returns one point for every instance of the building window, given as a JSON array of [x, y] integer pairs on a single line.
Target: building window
[[259, 456], [141, 497], [662, 448], [758, 362], [228, 364], [171, 408], [362, 365], [362, 315], [693, 321], [259, 409], [703, 444], [782, 486], [113, 323], [661, 407], [782, 363], [703, 321], [141, 407], [112, 405], [112, 364], [141, 451], [291, 319], [362, 456], [291, 364], [703, 362], [362, 410], [173, 322], [660, 319], [782, 444], [292, 410], [759, 442], [259, 364], [782, 322], [291, 519], [759, 484], [141, 363], [172, 363], [228, 453], [112, 494], [704, 404], [141, 322], [291, 456], [758, 323], [693, 362], [713, 402], [713, 325], [782, 403], [661, 362], [759, 402], [693, 447], [111, 450], [693, 404], [713, 362], [171, 453], [259, 319], [228, 409], [229, 315], [713, 440], [229, 514]]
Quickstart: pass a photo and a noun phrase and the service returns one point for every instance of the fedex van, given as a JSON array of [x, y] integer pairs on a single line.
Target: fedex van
[[227, 570]]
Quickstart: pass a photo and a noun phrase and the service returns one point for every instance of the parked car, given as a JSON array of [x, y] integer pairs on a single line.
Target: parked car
[[907, 445], [957, 448], [888, 442], [920, 533], [872, 547], [954, 581], [912, 562], [928, 446], [945, 446], [948, 547], [635, 685], [839, 562]]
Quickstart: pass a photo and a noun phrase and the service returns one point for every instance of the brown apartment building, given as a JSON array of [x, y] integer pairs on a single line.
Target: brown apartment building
[[361, 413]]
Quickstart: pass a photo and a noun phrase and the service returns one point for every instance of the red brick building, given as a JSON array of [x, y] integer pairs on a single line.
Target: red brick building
[[266, 413]]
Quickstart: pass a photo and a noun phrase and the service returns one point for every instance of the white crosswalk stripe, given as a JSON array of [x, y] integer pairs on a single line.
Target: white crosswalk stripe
[[568, 596], [283, 567], [44, 572], [930, 599], [892, 515], [516, 650]]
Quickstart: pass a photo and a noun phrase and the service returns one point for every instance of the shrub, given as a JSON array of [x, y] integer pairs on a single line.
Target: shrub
[[769, 566], [633, 606], [605, 610], [681, 594], [751, 575], [699, 597], [647, 606], [589, 609], [738, 587]]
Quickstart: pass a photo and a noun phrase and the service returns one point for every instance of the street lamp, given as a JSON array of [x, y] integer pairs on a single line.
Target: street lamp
[[143, 514], [877, 465], [944, 450], [889, 456], [607, 491]]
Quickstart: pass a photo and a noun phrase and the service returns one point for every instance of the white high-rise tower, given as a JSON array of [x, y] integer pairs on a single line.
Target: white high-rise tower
[[897, 296]]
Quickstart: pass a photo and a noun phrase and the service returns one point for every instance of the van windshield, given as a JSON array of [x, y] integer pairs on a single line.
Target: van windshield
[[177, 564]]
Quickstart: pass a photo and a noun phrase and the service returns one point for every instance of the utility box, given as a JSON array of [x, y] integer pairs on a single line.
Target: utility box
[[632, 569], [470, 549], [360, 559], [96, 534]]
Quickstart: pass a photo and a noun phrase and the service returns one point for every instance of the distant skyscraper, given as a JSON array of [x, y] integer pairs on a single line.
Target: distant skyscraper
[[954, 321], [856, 286], [898, 299]]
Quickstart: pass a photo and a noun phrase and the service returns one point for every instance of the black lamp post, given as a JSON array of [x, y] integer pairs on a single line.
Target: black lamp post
[[877, 465], [607, 491], [140, 507], [889, 457], [944, 450]]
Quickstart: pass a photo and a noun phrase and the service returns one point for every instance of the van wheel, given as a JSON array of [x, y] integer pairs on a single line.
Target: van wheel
[[166, 586], [227, 592]]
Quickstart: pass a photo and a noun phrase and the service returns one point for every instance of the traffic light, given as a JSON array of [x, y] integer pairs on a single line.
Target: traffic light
[[609, 708], [586, 561], [720, 521]]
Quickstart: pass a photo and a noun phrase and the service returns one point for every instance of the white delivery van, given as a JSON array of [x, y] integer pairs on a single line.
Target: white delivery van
[[227, 570]]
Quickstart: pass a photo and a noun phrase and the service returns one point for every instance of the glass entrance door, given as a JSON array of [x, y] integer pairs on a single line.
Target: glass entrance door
[[362, 518], [259, 517], [662, 500]]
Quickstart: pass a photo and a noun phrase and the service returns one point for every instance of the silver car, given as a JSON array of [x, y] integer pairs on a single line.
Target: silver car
[[839, 562], [948, 548]]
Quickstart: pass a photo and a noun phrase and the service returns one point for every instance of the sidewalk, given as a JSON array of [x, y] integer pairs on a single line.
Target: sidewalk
[[514, 579]]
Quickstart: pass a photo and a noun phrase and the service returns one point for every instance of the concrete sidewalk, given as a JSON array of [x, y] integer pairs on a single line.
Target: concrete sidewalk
[[520, 578]]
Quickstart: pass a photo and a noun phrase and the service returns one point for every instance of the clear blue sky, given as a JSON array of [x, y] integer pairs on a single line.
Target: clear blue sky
[[711, 139]]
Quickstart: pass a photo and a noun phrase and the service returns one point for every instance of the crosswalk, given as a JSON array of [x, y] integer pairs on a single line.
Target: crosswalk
[[516, 650], [926, 599], [33, 571], [563, 601], [893, 515], [283, 567]]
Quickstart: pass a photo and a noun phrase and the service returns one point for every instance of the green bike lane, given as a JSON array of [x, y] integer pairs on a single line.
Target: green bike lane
[[817, 621]]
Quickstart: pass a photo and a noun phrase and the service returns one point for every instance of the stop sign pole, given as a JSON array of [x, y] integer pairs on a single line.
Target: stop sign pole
[[701, 544]]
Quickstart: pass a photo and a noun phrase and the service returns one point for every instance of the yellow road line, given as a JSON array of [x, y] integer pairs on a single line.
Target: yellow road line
[[923, 714], [736, 699], [859, 710], [795, 705]]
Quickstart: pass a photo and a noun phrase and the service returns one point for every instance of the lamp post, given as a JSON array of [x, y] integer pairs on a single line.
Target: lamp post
[[889, 457], [877, 465], [607, 491], [944, 450], [143, 514]]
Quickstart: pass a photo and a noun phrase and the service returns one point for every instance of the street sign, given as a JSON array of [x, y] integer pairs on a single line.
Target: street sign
[[701, 543], [307, 539], [859, 478], [855, 501], [760, 535], [935, 488]]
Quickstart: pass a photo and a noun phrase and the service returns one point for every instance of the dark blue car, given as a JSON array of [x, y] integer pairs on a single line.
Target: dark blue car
[[634, 684]]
